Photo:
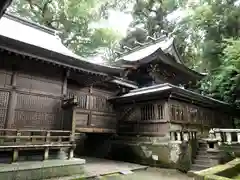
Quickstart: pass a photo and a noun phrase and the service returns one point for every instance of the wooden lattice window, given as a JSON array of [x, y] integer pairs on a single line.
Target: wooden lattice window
[[159, 111], [147, 112], [177, 113], [193, 114]]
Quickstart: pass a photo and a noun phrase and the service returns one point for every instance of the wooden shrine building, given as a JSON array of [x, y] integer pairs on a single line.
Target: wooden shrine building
[[49, 94]]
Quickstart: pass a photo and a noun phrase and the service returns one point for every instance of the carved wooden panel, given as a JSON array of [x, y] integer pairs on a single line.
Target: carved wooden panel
[[195, 114], [82, 119], [5, 78], [39, 84], [152, 128], [37, 111], [81, 96], [4, 96], [103, 121]]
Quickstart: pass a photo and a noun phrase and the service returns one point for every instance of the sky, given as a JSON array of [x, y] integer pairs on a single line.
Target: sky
[[119, 22]]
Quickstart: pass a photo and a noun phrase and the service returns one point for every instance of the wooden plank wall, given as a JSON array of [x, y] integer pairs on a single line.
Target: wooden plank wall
[[93, 111], [143, 119], [185, 113], [30, 94]]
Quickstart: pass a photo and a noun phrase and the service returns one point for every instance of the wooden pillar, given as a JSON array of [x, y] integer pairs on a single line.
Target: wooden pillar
[[12, 102], [166, 112], [15, 155], [90, 106], [64, 86], [46, 150]]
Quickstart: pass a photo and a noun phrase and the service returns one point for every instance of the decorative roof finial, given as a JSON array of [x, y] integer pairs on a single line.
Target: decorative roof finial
[[151, 38], [138, 43], [128, 48]]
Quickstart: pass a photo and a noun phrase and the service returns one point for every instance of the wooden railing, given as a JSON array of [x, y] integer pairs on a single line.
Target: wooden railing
[[24, 139], [227, 136], [178, 135]]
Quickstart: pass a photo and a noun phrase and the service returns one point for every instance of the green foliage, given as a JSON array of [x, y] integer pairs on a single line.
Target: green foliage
[[149, 19], [224, 82], [73, 18]]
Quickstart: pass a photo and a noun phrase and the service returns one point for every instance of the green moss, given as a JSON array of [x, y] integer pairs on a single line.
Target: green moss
[[221, 172]]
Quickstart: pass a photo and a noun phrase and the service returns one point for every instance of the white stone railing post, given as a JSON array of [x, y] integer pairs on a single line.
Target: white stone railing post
[[178, 136], [238, 137], [227, 134], [229, 137]]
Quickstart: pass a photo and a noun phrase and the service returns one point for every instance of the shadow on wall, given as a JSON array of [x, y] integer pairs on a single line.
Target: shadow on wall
[[94, 145]]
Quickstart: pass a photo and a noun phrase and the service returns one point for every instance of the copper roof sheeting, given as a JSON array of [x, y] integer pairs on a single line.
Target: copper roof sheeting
[[167, 90], [42, 39], [166, 44]]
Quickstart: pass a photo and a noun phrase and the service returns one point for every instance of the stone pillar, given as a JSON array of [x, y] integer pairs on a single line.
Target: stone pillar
[[185, 136], [178, 136], [238, 137], [229, 137]]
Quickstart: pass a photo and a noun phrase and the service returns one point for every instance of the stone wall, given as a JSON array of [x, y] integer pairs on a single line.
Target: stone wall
[[155, 151]]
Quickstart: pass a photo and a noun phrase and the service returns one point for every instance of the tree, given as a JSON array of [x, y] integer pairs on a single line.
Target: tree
[[224, 81], [73, 18], [207, 25]]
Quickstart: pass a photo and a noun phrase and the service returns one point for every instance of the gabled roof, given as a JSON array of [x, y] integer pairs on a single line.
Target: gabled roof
[[162, 50], [141, 54], [30, 39], [167, 90]]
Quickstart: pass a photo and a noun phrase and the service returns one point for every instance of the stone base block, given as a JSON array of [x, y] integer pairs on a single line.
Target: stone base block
[[41, 169]]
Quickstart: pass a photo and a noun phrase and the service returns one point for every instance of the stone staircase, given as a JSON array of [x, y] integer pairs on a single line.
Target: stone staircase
[[202, 160]]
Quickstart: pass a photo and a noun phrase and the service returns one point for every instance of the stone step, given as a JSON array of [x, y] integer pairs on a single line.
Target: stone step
[[202, 153], [198, 167], [204, 156], [202, 161]]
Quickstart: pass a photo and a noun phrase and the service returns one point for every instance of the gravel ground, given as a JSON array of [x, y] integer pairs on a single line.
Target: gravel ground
[[149, 174]]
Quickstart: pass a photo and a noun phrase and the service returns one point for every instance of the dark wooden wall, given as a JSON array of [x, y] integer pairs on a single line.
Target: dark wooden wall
[[31, 93], [186, 113], [93, 110], [156, 118], [143, 119]]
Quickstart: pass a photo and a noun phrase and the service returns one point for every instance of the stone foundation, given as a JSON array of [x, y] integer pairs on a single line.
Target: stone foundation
[[34, 170], [155, 151]]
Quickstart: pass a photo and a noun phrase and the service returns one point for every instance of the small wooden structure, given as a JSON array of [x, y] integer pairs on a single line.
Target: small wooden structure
[[151, 111], [37, 83], [157, 62]]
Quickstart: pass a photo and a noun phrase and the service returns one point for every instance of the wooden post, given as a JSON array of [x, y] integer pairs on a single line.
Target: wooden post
[[64, 87], [90, 106], [12, 102], [46, 153], [15, 155], [15, 150], [166, 112]]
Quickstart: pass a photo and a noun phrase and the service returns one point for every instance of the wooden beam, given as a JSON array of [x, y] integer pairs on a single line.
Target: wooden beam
[[95, 130]]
